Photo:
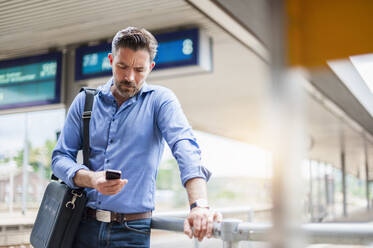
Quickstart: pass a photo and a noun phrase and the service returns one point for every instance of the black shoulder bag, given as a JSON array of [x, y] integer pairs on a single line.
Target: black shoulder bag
[[62, 208]]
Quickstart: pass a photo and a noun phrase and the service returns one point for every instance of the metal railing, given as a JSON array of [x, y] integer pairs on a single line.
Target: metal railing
[[232, 231], [242, 210], [174, 221]]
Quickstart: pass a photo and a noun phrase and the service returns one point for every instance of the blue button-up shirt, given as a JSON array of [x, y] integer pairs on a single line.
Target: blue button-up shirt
[[130, 139]]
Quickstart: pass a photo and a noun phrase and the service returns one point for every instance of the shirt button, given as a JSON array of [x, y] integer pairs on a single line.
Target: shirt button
[[107, 160], [111, 141], [99, 202]]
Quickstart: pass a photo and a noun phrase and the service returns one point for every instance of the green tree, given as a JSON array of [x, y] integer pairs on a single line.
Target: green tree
[[5, 160], [38, 157], [169, 179]]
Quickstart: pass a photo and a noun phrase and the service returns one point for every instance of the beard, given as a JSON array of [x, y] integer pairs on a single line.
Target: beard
[[127, 89]]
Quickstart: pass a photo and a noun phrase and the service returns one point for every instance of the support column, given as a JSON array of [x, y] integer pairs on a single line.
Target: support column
[[25, 165], [319, 191], [366, 159], [71, 88], [311, 191], [343, 168], [287, 136]]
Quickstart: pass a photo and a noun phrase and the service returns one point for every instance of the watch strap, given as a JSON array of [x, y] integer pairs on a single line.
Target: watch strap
[[199, 203]]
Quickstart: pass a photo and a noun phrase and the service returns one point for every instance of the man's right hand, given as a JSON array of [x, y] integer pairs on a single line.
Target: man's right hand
[[107, 187], [97, 180]]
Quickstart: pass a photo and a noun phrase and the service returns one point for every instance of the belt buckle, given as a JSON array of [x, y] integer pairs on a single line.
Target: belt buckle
[[103, 216]]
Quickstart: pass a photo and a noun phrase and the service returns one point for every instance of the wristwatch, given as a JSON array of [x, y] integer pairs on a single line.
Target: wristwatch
[[201, 203]]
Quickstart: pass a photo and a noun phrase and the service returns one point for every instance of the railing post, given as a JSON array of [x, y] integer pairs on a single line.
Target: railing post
[[250, 217], [196, 243], [228, 230]]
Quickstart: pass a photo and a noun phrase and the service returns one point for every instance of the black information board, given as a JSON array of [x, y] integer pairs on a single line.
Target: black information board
[[175, 49], [30, 81]]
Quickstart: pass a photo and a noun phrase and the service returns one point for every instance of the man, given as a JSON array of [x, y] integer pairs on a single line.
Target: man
[[129, 121]]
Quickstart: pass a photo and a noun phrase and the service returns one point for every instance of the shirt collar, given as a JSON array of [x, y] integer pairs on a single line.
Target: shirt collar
[[145, 88], [105, 91]]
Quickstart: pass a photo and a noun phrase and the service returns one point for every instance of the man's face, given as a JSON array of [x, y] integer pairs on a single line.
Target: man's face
[[130, 69]]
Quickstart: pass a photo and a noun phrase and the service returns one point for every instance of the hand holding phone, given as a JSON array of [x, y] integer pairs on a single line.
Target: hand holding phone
[[113, 174]]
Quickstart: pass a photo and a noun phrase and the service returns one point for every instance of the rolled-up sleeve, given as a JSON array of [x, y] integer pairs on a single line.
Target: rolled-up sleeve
[[64, 164], [179, 136]]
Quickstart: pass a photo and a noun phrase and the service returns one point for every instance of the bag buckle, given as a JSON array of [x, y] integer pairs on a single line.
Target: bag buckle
[[76, 194], [87, 114], [103, 216]]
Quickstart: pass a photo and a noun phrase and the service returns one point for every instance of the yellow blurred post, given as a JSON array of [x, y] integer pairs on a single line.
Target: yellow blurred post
[[286, 137], [321, 30]]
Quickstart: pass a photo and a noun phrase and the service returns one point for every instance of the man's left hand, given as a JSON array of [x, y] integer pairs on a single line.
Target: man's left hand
[[202, 221]]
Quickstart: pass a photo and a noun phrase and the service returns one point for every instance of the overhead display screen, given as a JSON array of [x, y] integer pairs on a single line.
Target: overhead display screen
[[30, 81], [92, 61], [175, 49]]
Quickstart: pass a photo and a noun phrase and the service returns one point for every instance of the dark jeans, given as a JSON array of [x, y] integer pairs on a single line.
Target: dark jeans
[[93, 233]]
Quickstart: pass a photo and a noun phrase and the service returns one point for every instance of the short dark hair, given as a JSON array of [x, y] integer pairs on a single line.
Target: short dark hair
[[135, 39]]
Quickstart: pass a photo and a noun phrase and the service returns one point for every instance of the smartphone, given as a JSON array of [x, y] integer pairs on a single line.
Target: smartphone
[[113, 174]]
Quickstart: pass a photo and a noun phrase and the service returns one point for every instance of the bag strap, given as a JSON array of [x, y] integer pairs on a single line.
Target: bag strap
[[90, 94], [86, 116]]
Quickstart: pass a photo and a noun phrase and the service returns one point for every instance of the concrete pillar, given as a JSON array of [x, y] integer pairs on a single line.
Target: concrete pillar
[[319, 189], [25, 165], [343, 169], [287, 136], [366, 160], [311, 190], [71, 88]]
